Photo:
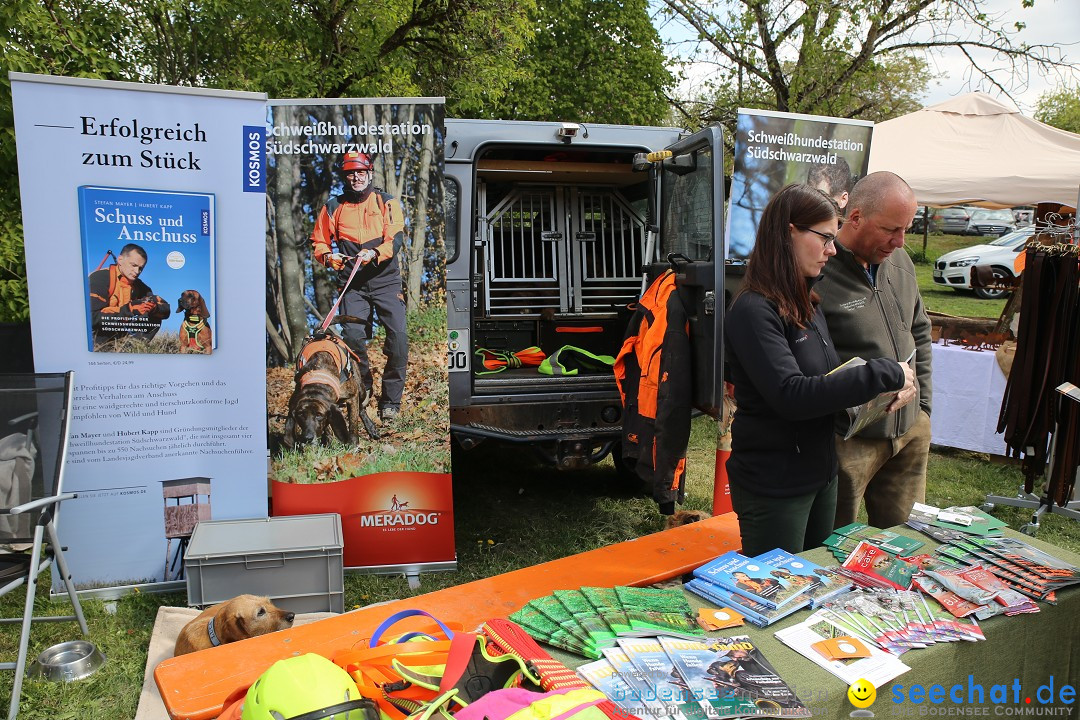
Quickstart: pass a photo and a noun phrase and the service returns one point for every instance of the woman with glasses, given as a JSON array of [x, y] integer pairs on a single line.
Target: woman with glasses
[[782, 468]]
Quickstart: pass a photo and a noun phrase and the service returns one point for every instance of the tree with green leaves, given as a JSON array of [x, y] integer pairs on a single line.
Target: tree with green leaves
[[590, 61], [58, 38], [858, 58], [1060, 108]]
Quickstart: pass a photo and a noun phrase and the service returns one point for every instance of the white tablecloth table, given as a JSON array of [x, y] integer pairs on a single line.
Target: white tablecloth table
[[968, 387]]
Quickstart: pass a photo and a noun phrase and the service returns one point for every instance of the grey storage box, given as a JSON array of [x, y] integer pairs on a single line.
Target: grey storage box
[[295, 560]]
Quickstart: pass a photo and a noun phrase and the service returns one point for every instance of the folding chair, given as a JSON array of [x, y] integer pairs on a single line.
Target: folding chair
[[34, 420]]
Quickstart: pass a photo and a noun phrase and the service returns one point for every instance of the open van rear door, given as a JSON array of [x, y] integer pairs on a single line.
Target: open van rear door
[[691, 241]]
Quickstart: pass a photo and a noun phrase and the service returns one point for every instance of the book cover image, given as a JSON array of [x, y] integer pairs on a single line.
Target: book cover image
[[750, 578], [732, 678], [820, 583], [148, 257]]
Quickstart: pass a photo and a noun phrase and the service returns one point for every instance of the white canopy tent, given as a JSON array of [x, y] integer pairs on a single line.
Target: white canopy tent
[[975, 150]]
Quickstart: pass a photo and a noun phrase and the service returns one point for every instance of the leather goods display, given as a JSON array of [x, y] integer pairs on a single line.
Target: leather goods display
[[1047, 354]]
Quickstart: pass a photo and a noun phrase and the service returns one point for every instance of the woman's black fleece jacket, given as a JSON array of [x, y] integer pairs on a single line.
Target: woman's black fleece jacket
[[782, 436]]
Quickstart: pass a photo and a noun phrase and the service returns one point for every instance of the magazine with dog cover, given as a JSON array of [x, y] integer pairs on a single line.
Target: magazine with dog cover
[[149, 262], [880, 566], [730, 677], [750, 578], [821, 583]]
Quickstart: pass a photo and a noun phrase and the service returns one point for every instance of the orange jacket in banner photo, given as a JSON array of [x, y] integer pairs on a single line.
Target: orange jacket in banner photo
[[654, 378], [375, 222]]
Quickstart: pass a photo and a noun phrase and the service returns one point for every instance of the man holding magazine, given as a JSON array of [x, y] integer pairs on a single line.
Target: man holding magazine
[[870, 298]]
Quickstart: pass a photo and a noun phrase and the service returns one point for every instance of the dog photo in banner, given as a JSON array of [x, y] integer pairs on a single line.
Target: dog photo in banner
[[356, 305]]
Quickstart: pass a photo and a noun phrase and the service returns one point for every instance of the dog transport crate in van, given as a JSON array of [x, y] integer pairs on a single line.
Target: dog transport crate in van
[[295, 560], [551, 229]]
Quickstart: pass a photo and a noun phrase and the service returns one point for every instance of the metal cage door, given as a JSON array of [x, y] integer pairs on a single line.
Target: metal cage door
[[522, 239], [607, 248]]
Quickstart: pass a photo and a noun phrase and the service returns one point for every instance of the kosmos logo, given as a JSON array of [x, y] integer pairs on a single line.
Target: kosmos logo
[[399, 516]]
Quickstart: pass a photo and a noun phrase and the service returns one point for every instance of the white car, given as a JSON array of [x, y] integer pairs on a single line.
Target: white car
[[954, 268]]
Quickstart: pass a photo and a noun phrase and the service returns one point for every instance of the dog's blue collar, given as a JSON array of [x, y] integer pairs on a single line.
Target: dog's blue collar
[[214, 642]]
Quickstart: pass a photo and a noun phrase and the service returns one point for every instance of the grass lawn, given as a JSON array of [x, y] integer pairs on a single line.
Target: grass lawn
[[939, 298]]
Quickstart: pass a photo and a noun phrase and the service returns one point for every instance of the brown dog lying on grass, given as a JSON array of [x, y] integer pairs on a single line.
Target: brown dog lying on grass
[[685, 517], [238, 619]]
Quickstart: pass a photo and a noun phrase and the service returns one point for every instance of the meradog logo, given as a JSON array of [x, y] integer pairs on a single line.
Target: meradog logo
[[399, 519], [254, 158]]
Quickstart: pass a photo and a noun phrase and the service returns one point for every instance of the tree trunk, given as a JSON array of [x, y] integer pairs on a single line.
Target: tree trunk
[[322, 179], [277, 331], [416, 250], [288, 223]]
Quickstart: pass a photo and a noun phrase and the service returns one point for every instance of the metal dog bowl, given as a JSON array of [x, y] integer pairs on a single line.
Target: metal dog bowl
[[67, 661]]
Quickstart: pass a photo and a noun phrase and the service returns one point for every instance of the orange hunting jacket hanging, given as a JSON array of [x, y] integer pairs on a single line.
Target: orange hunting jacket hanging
[[653, 374]]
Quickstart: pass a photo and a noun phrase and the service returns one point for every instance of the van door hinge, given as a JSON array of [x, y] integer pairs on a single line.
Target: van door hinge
[[475, 281]]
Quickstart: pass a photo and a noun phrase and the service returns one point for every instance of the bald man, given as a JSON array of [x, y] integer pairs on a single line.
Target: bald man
[[872, 305]]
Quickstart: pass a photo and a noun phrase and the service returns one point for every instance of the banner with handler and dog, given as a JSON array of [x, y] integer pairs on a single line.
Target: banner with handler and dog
[[357, 393]]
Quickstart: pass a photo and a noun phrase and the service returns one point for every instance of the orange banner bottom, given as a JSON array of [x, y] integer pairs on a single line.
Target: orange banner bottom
[[388, 518]]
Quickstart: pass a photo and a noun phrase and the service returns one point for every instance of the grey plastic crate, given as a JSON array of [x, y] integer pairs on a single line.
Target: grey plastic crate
[[296, 561]]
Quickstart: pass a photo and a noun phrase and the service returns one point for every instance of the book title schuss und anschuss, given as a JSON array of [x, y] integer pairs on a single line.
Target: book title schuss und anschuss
[[132, 129]]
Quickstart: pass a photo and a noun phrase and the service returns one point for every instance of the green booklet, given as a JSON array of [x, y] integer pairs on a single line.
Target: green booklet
[[659, 611], [550, 606], [884, 539], [542, 628], [600, 635], [606, 603]]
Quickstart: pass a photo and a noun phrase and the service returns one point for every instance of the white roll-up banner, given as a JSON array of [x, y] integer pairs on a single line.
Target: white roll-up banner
[[143, 212]]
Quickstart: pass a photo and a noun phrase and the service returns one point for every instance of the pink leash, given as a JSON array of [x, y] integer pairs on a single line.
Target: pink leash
[[333, 310]]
